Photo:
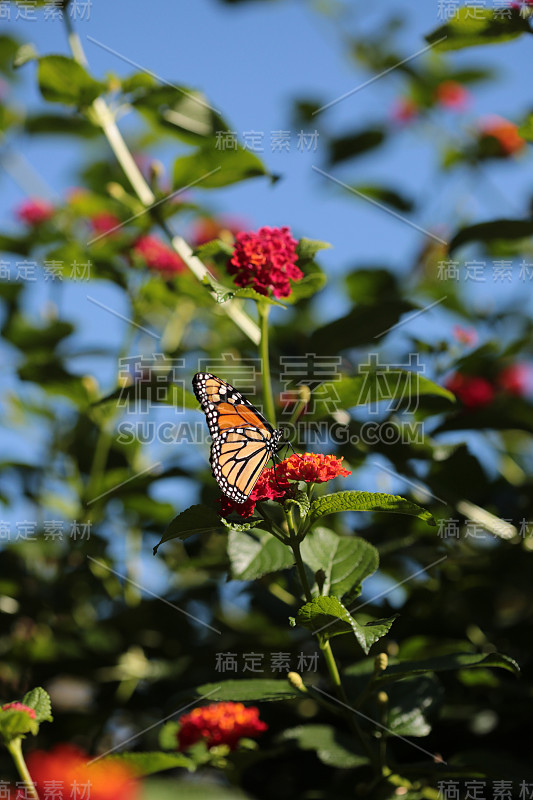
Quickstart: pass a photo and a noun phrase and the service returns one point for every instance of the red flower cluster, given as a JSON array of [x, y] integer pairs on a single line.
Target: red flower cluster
[[472, 390], [516, 379], [158, 256], [219, 723], [66, 766], [476, 392], [273, 483], [35, 211], [452, 94], [404, 109], [505, 133], [19, 707], [104, 222], [266, 261], [466, 336], [314, 468]]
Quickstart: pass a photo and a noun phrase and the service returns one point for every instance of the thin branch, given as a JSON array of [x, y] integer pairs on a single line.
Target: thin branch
[[106, 120]]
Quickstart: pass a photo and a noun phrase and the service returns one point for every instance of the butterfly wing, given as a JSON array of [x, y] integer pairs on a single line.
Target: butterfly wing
[[238, 457], [243, 440], [225, 407]]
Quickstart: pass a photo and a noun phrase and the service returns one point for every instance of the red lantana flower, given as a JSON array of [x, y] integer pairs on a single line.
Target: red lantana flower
[[158, 256], [314, 468], [35, 211], [464, 335], [274, 482], [68, 766], [19, 707], [452, 94], [505, 133], [220, 723], [104, 222], [472, 390], [404, 110], [266, 261], [516, 379]]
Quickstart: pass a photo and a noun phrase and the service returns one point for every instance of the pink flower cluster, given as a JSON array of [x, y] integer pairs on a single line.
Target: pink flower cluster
[[266, 261], [34, 211], [474, 391], [158, 256]]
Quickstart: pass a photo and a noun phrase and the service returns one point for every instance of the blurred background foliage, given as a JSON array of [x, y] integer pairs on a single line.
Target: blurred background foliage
[[83, 505]]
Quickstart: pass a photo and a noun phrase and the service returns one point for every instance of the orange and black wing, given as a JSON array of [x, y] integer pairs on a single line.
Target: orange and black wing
[[238, 457], [225, 407], [243, 441]]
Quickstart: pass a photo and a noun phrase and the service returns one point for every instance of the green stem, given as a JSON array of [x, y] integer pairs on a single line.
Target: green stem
[[295, 547], [15, 749], [275, 530], [325, 646], [270, 411]]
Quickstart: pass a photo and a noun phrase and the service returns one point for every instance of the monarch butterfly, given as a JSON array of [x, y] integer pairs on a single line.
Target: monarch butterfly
[[243, 440]]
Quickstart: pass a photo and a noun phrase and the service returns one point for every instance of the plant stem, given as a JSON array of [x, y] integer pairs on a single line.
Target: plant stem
[[295, 547], [15, 749], [270, 411], [105, 118], [325, 646]]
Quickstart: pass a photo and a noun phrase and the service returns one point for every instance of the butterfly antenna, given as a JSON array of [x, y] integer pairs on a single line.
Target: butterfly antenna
[[289, 444]]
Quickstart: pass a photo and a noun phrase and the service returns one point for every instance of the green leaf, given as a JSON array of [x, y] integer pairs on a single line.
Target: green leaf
[[383, 194], [306, 287], [168, 735], [346, 561], [209, 168], [330, 617], [201, 789], [411, 701], [63, 80], [244, 691], [9, 48], [355, 144], [148, 763], [308, 248], [26, 52], [255, 522], [361, 326], [367, 501], [454, 661], [301, 501], [376, 386], [179, 110], [61, 125], [498, 229], [370, 286], [21, 245], [250, 294], [526, 129], [332, 747], [223, 293], [255, 554], [39, 700], [16, 723], [196, 519], [475, 26]]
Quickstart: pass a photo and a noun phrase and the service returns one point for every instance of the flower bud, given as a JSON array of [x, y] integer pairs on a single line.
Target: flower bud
[[296, 681], [380, 662]]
